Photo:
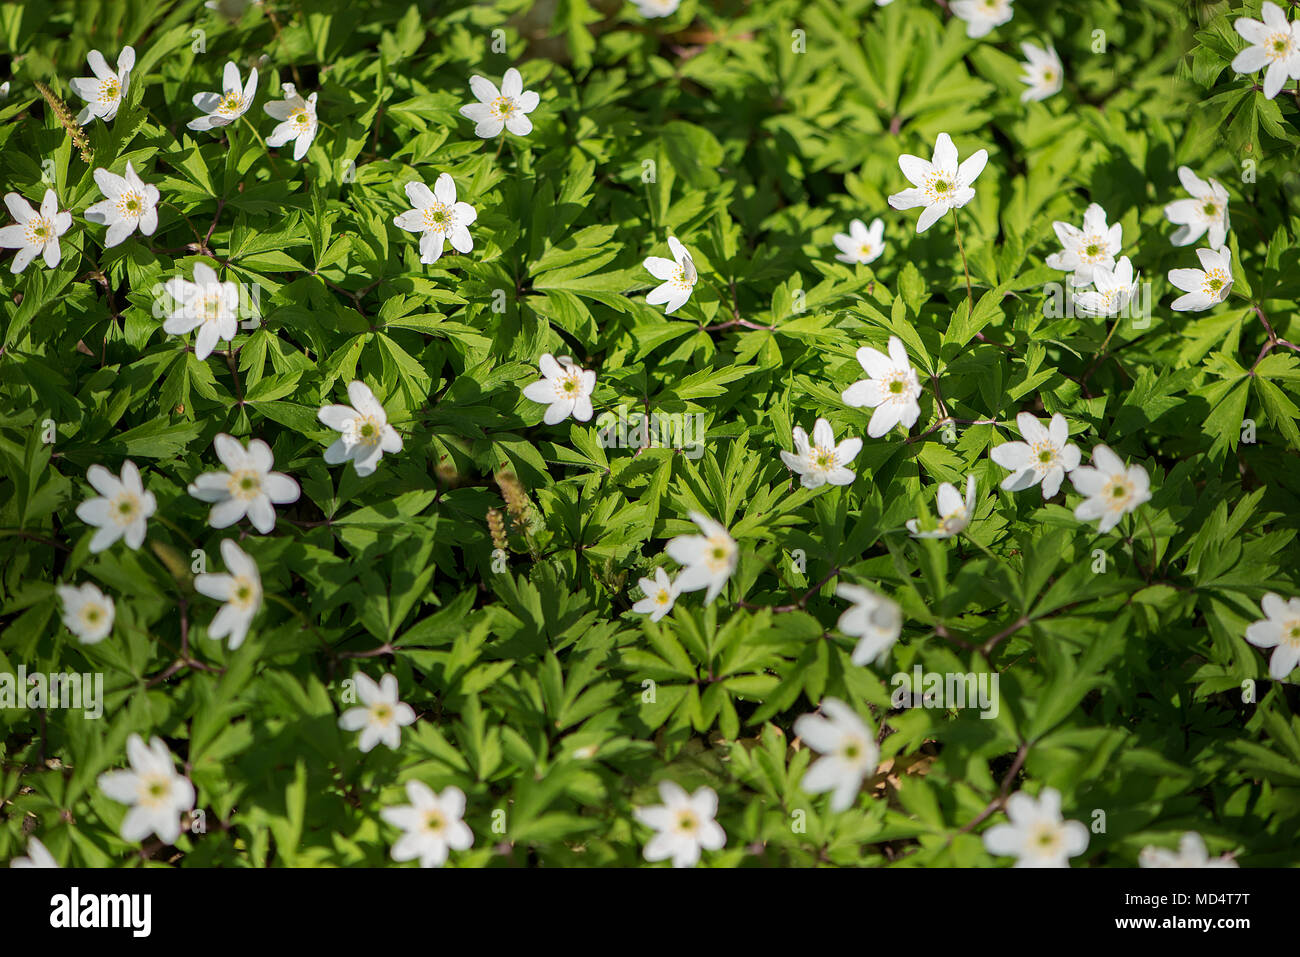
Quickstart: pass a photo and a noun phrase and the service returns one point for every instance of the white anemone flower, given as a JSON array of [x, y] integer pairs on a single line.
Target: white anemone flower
[[1274, 48], [1114, 289], [1038, 835], [247, 486], [861, 244], [708, 559], [366, 434], [821, 461], [1112, 489], [436, 215], [38, 855], [1191, 853], [954, 513], [297, 120], [1205, 287], [432, 825], [940, 184], [87, 612], [35, 233], [1083, 250], [1045, 455], [1043, 72], [129, 204], [380, 717], [156, 793], [1206, 211], [981, 16], [651, 9], [222, 109], [684, 825], [891, 388], [104, 91], [564, 388], [848, 748], [240, 591], [677, 277], [504, 109], [122, 509], [873, 619], [206, 304], [660, 595], [233, 9], [1279, 629]]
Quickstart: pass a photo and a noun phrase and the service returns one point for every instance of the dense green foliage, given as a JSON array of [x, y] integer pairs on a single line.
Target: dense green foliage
[[753, 132]]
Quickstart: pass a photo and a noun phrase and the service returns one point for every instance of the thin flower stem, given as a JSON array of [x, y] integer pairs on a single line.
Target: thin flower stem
[[1101, 352], [1273, 340], [983, 548], [234, 372], [163, 520], [32, 537], [1003, 792], [970, 295], [1146, 519], [266, 149]]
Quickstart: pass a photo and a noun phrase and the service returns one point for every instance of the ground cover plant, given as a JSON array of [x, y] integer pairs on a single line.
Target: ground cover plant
[[600, 433]]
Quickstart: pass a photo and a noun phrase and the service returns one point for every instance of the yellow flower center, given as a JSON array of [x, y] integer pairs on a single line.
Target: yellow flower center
[[125, 507], [130, 203], [368, 430], [437, 217], [246, 484], [940, 187], [1216, 284], [1044, 454], [1093, 249], [1119, 492], [154, 790], [569, 385], [39, 231], [1278, 46], [244, 592]]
